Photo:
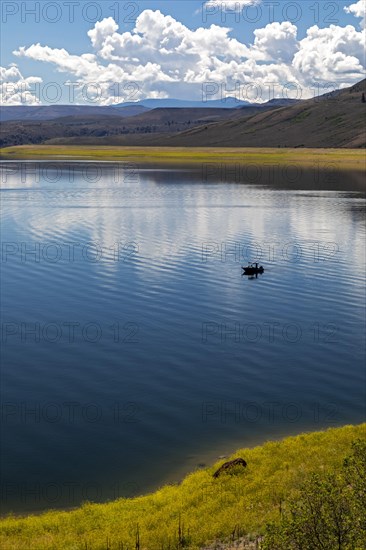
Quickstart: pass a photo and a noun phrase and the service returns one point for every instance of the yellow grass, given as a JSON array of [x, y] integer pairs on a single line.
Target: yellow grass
[[353, 159], [206, 508]]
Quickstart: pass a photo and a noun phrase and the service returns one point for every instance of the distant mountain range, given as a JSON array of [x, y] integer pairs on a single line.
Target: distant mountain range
[[333, 120], [225, 103], [49, 112]]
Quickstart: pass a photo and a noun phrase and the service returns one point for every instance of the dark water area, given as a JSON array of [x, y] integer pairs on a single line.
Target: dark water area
[[133, 349]]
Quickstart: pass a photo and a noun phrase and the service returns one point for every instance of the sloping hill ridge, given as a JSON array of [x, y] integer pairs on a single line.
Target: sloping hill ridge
[[77, 128], [334, 120]]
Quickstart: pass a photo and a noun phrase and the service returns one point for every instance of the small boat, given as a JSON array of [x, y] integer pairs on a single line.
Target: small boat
[[253, 269]]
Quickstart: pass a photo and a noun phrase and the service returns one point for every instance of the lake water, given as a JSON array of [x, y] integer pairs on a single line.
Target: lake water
[[133, 349]]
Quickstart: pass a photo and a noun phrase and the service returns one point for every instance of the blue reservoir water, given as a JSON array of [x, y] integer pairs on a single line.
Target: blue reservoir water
[[133, 349]]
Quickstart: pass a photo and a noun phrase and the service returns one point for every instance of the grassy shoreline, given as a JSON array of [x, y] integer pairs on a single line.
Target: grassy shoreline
[[340, 159], [202, 507]]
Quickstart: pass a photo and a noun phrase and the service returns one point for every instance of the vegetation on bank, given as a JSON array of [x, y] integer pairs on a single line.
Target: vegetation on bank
[[329, 159], [201, 508], [329, 512]]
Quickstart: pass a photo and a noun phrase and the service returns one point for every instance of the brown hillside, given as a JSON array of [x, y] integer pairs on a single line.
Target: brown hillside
[[335, 120]]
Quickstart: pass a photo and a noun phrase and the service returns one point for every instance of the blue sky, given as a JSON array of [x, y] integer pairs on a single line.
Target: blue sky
[[212, 57]]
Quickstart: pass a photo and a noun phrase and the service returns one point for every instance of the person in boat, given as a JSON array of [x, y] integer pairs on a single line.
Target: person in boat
[[253, 268]]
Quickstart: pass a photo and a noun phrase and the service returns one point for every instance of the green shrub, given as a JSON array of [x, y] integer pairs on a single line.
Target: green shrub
[[330, 512]]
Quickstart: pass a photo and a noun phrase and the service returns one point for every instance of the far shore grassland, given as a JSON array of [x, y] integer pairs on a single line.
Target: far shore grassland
[[327, 159], [199, 510]]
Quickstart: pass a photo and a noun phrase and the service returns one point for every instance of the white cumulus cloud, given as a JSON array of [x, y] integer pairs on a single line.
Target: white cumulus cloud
[[358, 10], [162, 57], [276, 42], [335, 54], [16, 89]]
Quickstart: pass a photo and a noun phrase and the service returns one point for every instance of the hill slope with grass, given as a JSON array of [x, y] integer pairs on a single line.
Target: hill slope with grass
[[200, 509], [333, 120], [128, 123]]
